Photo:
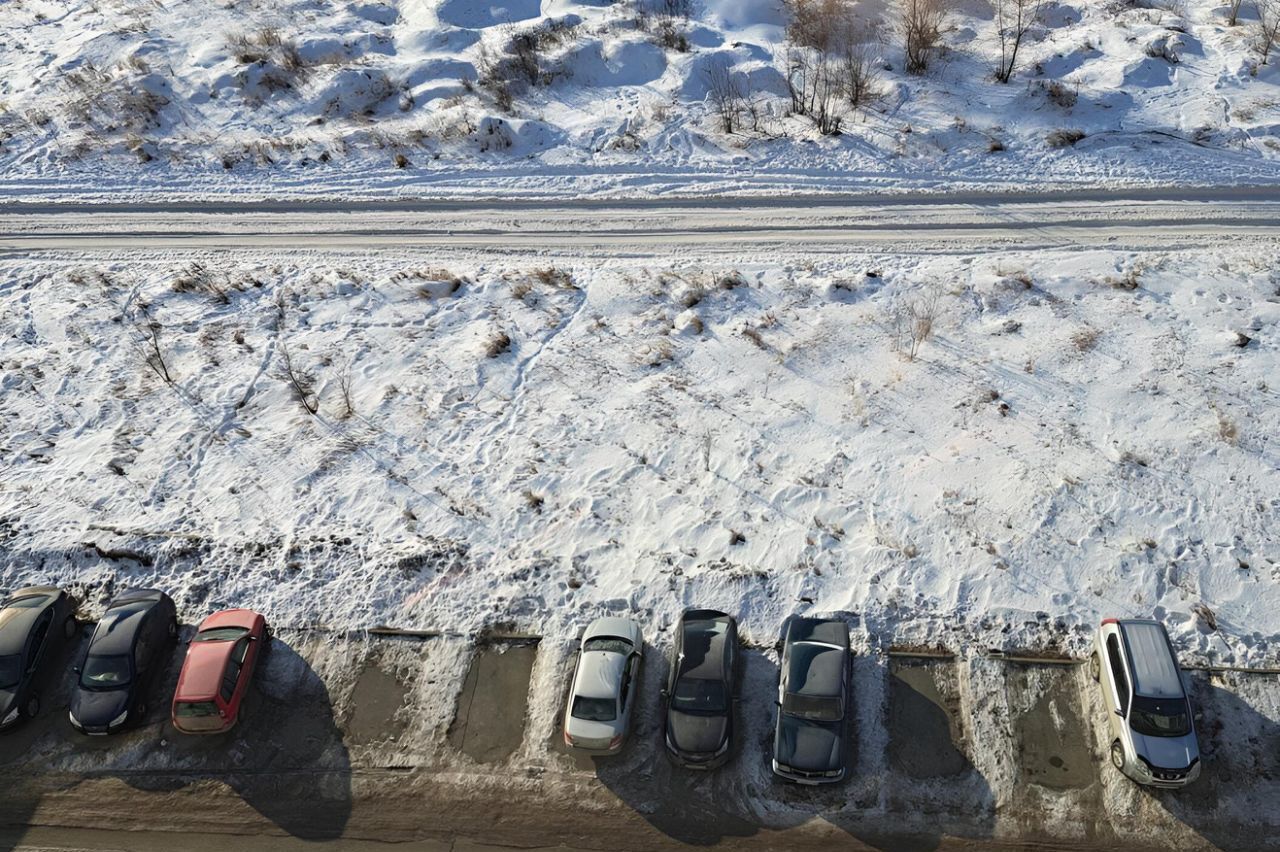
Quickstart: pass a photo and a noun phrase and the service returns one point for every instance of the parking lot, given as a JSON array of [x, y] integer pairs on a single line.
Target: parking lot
[[356, 738]]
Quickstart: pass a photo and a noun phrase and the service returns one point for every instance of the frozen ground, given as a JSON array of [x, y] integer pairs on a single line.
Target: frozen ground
[[534, 440], [138, 99]]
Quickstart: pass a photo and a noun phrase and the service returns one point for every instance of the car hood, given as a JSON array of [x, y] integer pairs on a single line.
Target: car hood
[[812, 746], [1167, 752], [697, 734], [96, 709]]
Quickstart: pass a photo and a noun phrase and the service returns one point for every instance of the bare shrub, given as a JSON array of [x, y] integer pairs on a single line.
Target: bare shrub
[[813, 82], [1014, 18], [199, 278], [860, 71], [1085, 339], [725, 90], [497, 344], [1233, 12], [554, 276], [155, 355], [344, 389], [1063, 137], [1267, 29], [1059, 94], [922, 25], [301, 383], [912, 322], [1131, 279]]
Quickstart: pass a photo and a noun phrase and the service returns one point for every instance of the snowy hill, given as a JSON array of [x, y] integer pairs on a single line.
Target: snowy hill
[[138, 97]]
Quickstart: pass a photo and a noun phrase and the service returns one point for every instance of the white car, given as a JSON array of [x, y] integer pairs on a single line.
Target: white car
[[1152, 728], [598, 714]]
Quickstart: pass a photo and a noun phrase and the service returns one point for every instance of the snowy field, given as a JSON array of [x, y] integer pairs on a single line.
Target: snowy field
[[470, 441], [140, 99]]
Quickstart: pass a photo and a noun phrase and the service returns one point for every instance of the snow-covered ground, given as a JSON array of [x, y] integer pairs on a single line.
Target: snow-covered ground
[[535, 441], [116, 99]]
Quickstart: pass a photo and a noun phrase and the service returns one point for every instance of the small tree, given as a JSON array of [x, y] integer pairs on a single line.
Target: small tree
[[860, 75], [1013, 19], [922, 22], [725, 90], [1267, 31], [1233, 12]]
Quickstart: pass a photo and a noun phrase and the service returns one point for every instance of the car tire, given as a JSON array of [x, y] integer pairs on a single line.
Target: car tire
[[1095, 667], [1117, 755], [32, 708], [69, 627]]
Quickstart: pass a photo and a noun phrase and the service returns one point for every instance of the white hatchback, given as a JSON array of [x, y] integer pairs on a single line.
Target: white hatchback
[[598, 714]]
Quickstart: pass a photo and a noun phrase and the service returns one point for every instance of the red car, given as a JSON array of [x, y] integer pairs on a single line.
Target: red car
[[216, 674]]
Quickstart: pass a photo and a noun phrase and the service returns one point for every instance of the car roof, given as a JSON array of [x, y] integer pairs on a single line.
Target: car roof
[[599, 674], [119, 626], [830, 631], [202, 670], [704, 638], [15, 626], [816, 670], [1155, 671]]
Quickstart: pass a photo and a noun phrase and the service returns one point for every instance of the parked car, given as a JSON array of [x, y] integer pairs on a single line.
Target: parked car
[[598, 715], [1154, 739], [35, 625], [811, 738], [220, 663], [126, 655], [702, 690]]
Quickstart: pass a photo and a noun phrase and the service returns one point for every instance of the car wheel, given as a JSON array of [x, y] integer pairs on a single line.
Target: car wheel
[[69, 627], [1095, 667], [32, 708], [1117, 755]]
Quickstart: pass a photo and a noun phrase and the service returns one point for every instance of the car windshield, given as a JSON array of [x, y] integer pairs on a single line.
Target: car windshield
[[105, 672], [10, 671], [611, 644], [595, 709], [697, 695], [1160, 717], [220, 634], [195, 709], [815, 708]]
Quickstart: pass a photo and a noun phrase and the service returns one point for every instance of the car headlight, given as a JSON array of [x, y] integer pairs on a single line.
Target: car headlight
[[1143, 767], [119, 720], [12, 717]]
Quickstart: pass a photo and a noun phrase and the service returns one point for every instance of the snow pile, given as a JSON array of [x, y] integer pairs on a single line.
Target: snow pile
[[989, 450], [421, 97]]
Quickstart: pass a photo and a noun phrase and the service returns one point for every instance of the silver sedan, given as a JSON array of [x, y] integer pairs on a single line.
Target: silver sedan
[[598, 715]]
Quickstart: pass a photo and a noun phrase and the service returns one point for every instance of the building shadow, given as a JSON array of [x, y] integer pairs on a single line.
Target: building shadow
[[1232, 804], [286, 758]]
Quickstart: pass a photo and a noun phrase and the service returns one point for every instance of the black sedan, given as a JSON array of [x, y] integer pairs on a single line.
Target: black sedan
[[129, 649], [35, 625], [811, 740], [702, 689]]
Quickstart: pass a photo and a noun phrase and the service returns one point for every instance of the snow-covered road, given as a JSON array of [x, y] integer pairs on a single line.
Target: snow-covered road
[[967, 222]]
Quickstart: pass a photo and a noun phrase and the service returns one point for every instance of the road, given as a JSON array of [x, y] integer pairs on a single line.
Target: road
[[828, 224]]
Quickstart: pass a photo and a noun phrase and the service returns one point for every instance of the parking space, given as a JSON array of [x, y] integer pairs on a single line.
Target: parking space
[[926, 738], [1051, 742], [488, 723]]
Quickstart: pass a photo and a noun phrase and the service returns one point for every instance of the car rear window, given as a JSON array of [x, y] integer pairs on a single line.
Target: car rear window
[[220, 634], [595, 709], [10, 671], [195, 709], [610, 644], [809, 707]]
